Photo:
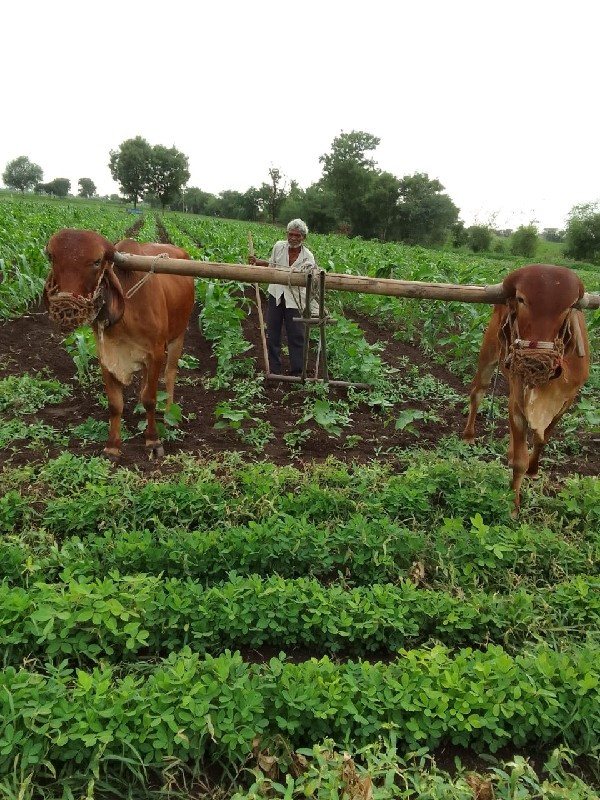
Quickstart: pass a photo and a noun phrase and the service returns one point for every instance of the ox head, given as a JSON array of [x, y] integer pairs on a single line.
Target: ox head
[[82, 286], [538, 329], [541, 297]]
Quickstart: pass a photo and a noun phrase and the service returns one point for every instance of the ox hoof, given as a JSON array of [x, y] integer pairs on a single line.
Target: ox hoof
[[155, 450], [111, 454]]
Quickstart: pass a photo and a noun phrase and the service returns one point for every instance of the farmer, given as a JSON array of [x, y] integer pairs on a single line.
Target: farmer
[[287, 302]]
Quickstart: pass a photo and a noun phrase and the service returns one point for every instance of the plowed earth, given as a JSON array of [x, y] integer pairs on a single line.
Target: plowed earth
[[30, 344]]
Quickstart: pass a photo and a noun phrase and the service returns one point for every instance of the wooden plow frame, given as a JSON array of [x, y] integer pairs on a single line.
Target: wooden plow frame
[[363, 284]]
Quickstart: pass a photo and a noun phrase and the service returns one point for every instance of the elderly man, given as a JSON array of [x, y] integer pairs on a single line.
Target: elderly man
[[287, 302]]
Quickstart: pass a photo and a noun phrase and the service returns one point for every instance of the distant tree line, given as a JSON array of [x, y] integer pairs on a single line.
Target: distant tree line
[[23, 175], [353, 196]]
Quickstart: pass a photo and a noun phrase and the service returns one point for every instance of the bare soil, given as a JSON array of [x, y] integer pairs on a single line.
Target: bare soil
[[30, 344]]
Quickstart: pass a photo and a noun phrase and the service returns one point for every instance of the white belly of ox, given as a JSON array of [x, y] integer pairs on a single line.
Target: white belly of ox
[[121, 357], [543, 404]]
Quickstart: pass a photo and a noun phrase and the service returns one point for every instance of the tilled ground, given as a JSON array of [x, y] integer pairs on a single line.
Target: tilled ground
[[30, 344]]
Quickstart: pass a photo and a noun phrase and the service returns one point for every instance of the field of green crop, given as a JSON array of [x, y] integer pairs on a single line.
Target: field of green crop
[[226, 625]]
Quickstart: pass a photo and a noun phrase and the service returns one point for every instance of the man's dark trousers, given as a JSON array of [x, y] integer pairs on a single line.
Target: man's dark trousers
[[276, 316]]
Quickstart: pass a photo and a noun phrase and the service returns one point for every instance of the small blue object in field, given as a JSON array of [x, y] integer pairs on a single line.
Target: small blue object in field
[[133, 211]]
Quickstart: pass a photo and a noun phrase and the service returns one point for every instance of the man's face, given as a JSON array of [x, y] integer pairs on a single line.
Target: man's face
[[295, 239]]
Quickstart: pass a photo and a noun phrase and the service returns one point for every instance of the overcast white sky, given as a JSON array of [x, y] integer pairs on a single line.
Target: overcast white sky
[[498, 99]]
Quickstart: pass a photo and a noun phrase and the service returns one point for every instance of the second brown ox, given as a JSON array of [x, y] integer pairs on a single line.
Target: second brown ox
[[542, 345], [137, 318]]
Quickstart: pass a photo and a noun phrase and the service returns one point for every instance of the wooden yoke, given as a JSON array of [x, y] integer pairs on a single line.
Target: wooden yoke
[[364, 284]]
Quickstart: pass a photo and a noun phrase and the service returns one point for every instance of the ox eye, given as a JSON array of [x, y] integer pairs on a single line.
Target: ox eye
[[97, 262], [520, 299]]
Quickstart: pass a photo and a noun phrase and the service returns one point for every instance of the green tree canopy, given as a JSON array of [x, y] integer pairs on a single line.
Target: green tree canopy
[[168, 173], [348, 174], [196, 201], [459, 234], [273, 194], [582, 236], [59, 187], [22, 174], [480, 238], [524, 241], [381, 206], [87, 187], [425, 215], [318, 208], [130, 167]]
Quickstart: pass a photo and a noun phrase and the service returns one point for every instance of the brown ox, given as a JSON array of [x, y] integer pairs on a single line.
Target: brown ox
[[542, 345], [136, 318]]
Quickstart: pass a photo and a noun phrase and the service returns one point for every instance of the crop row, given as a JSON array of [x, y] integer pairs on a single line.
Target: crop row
[[119, 617], [192, 708], [87, 497], [361, 551]]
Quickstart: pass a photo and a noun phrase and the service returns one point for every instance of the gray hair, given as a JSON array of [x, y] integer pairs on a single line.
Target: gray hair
[[297, 225]]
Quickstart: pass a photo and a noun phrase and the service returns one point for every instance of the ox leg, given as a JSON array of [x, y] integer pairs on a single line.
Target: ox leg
[[486, 365], [174, 349], [114, 392], [148, 397], [539, 442], [520, 452], [536, 452]]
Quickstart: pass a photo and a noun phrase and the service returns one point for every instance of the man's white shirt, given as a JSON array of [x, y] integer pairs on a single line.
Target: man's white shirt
[[294, 295]]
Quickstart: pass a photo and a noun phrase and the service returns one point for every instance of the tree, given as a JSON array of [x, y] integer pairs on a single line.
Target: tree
[[459, 234], [425, 215], [230, 204], [553, 235], [59, 187], [251, 204], [169, 172], [293, 205], [87, 188], [381, 206], [273, 194], [22, 174], [196, 201], [480, 238], [319, 208], [349, 175], [524, 241], [130, 167], [582, 236]]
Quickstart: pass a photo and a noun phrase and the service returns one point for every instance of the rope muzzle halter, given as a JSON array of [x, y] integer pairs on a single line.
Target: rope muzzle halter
[[537, 362], [70, 310]]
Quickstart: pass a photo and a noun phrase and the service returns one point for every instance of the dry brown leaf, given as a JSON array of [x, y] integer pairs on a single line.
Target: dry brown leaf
[[298, 765], [417, 572], [268, 764], [355, 788], [482, 789]]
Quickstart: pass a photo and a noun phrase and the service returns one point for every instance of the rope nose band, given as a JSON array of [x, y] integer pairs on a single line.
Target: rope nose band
[[535, 362], [72, 311]]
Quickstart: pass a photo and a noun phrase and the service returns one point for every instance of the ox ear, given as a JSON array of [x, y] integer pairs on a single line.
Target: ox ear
[[114, 300]]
